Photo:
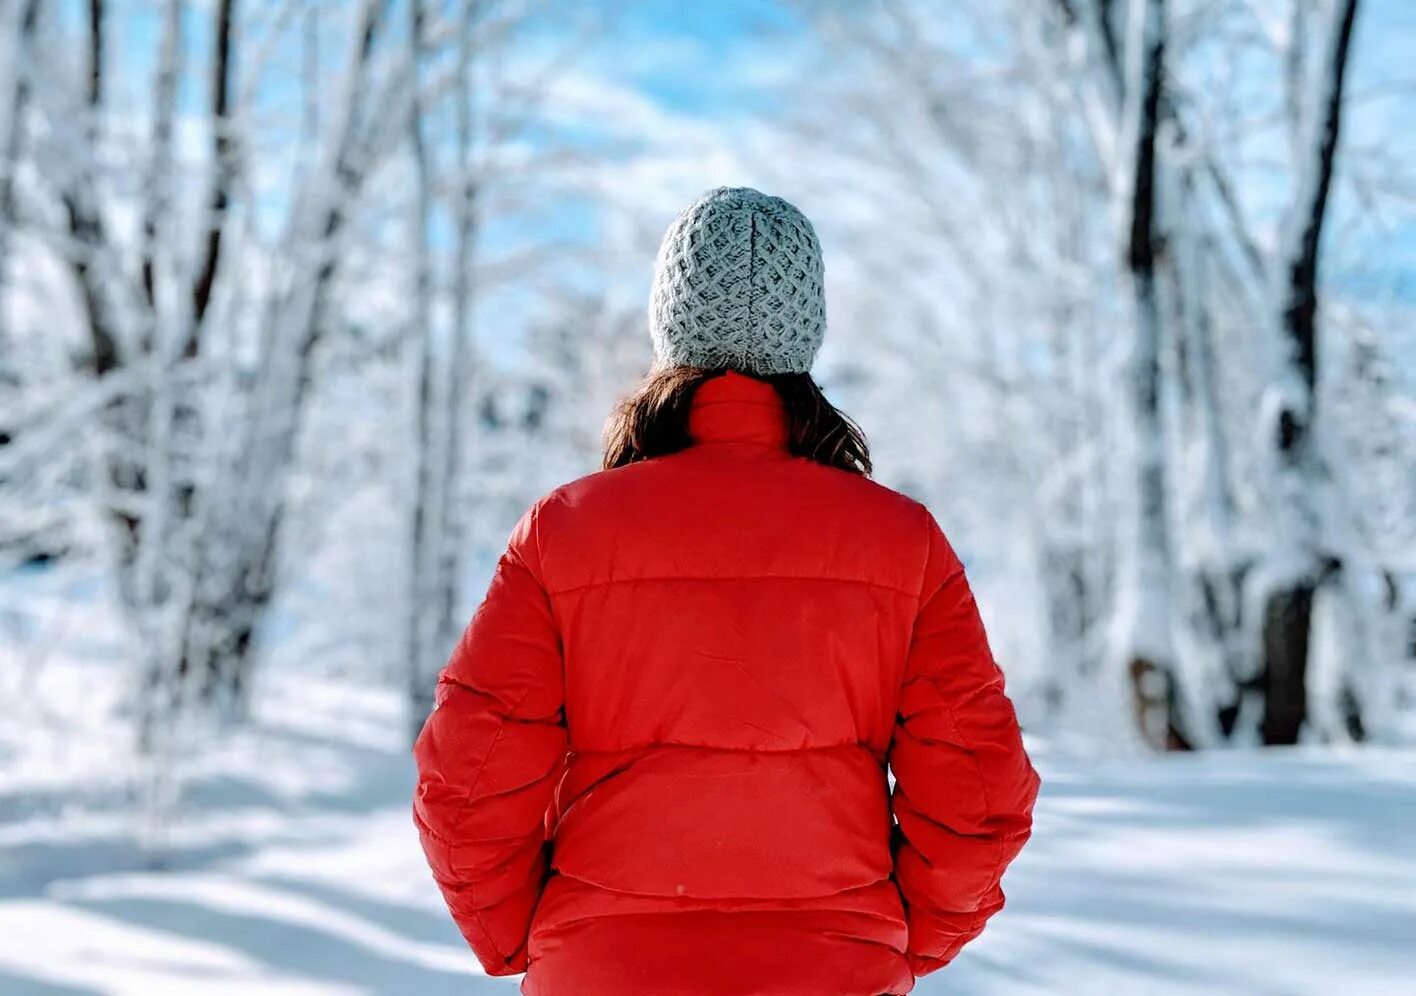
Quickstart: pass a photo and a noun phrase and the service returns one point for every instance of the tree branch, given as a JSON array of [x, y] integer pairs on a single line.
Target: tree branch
[[222, 164], [1310, 206]]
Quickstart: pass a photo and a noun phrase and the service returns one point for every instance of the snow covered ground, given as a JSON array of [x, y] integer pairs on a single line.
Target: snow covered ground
[[293, 868]]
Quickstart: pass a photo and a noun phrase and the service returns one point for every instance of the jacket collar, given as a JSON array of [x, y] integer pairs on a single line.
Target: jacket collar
[[736, 408]]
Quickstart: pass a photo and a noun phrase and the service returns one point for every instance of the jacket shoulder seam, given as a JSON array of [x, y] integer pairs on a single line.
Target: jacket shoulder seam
[[659, 578]]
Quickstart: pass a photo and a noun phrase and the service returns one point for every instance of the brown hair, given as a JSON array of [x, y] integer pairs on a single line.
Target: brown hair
[[653, 421]]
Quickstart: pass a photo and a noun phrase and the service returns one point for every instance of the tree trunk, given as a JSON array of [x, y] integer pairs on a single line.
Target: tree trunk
[[1284, 685], [242, 510], [422, 662], [1146, 556], [1294, 573], [437, 534], [460, 380]]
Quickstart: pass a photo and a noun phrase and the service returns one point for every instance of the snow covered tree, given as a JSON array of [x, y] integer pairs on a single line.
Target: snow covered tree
[[197, 339], [1299, 556], [468, 116], [1166, 541]]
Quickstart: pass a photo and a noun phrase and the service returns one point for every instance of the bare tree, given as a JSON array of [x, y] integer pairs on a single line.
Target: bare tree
[[487, 116], [1299, 558], [195, 508], [1147, 563], [445, 379], [1007, 128], [18, 21], [235, 580]]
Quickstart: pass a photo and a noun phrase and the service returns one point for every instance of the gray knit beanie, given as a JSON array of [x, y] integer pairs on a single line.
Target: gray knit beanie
[[738, 283]]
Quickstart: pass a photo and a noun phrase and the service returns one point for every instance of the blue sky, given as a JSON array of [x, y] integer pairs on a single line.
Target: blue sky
[[693, 51]]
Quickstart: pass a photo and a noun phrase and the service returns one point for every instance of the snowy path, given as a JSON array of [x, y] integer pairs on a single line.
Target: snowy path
[[295, 871]]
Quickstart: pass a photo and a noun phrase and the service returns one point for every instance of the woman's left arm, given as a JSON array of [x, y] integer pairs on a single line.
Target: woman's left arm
[[489, 759]]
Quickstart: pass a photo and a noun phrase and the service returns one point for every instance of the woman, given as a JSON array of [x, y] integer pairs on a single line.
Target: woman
[[658, 760]]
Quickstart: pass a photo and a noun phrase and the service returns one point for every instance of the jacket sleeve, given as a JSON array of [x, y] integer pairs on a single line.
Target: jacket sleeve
[[964, 787], [489, 759]]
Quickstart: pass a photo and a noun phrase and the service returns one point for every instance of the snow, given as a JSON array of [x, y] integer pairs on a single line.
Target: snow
[[292, 865]]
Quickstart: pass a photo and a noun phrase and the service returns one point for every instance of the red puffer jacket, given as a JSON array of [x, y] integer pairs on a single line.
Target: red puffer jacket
[[658, 760]]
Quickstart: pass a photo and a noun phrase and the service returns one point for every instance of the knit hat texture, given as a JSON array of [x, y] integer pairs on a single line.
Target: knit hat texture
[[738, 283]]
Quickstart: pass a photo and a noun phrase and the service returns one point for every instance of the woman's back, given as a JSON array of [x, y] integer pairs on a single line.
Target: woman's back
[[659, 759], [735, 623]]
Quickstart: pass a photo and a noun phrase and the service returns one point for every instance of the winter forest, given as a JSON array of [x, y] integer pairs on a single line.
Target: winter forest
[[302, 302]]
